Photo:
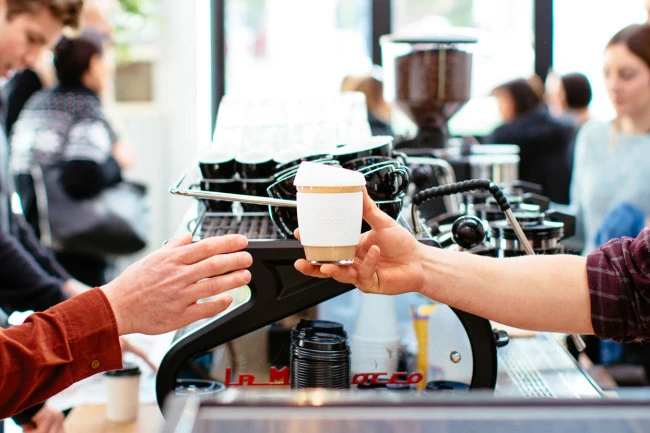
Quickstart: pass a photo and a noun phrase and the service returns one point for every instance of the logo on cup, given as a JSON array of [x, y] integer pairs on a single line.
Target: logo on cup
[[331, 216]]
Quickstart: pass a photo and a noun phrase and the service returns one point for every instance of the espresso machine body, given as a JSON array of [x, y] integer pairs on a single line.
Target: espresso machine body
[[278, 291]]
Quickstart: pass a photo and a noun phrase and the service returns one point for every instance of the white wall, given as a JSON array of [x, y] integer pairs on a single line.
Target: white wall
[[165, 134]]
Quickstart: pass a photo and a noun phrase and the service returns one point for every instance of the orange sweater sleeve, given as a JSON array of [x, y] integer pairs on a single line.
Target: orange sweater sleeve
[[53, 349]]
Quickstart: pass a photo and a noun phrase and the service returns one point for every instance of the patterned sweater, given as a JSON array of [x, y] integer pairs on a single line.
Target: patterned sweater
[[66, 127]]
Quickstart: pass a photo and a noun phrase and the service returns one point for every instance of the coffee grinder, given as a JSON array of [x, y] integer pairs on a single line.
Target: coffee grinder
[[429, 80]]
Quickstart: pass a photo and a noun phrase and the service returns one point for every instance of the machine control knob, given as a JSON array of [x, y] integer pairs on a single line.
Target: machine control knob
[[468, 231], [501, 337]]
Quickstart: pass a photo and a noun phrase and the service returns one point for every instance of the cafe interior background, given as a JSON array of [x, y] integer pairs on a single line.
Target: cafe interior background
[[165, 96], [172, 69]]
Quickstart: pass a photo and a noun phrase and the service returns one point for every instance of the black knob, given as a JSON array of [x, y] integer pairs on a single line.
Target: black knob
[[501, 337], [468, 231]]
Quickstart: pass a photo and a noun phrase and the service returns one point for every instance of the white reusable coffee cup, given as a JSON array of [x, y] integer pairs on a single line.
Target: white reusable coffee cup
[[330, 212], [122, 389]]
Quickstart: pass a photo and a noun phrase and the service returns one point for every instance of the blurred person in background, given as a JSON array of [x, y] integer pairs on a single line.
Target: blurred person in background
[[42, 75], [568, 97], [538, 86], [67, 126], [31, 277], [610, 189], [543, 140], [611, 164], [378, 109]]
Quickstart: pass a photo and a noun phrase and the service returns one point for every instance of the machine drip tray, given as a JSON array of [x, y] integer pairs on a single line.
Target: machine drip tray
[[541, 367], [255, 226]]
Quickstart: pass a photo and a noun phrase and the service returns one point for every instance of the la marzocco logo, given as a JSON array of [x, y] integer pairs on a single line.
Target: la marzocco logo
[[330, 216], [281, 378]]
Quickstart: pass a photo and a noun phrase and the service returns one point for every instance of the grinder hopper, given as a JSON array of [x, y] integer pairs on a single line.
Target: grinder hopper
[[429, 79]]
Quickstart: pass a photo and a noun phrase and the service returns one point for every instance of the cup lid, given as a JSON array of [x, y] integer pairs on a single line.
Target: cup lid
[[128, 369], [314, 174]]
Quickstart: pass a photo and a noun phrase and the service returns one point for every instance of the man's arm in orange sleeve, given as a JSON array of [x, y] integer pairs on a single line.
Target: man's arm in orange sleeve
[[54, 349]]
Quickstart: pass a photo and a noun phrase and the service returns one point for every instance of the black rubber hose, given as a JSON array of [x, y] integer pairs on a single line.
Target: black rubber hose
[[460, 187], [456, 188]]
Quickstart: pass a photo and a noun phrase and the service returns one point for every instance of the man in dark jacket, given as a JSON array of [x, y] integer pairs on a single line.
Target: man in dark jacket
[[543, 140]]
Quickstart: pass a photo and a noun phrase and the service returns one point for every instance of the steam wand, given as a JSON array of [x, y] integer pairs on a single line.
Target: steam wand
[[504, 205]]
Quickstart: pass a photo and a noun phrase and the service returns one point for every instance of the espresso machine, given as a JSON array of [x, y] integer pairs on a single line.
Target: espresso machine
[[275, 337], [259, 345]]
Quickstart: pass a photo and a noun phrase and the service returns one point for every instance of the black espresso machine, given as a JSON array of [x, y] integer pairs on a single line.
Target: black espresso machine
[[280, 302]]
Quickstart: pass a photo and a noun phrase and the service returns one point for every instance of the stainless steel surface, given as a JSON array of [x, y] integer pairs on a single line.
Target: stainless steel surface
[[475, 415], [515, 245], [578, 342], [242, 198], [541, 367], [500, 169], [519, 232]]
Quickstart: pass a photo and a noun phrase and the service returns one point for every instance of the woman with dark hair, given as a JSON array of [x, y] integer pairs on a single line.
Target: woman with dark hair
[[543, 141], [610, 188], [611, 163], [66, 127]]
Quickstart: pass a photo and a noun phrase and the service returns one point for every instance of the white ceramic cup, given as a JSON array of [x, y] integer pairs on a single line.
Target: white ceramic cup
[[122, 389]]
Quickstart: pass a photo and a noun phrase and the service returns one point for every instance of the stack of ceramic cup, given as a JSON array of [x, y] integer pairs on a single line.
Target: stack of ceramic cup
[[375, 341], [218, 169]]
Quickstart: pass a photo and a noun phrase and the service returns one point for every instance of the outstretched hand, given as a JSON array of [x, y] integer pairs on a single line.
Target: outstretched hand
[[162, 292], [388, 258]]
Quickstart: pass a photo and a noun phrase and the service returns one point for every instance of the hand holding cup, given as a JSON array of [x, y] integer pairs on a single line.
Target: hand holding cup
[[388, 259], [330, 204]]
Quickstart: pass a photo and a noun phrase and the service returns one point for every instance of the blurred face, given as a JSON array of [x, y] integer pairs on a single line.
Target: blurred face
[[95, 77], [627, 79], [554, 95], [506, 105], [23, 38]]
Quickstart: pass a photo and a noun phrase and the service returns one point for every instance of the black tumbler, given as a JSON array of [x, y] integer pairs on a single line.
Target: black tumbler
[[319, 359]]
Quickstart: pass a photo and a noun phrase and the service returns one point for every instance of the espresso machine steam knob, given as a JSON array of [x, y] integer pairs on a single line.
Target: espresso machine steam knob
[[468, 231]]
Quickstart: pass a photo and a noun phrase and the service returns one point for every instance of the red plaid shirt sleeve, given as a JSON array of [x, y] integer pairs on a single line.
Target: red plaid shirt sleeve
[[619, 288]]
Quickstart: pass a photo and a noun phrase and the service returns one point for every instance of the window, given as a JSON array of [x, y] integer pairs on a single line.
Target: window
[[295, 45], [582, 30]]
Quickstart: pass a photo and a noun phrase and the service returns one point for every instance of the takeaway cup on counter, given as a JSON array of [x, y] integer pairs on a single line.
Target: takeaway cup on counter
[[330, 210], [122, 389]]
